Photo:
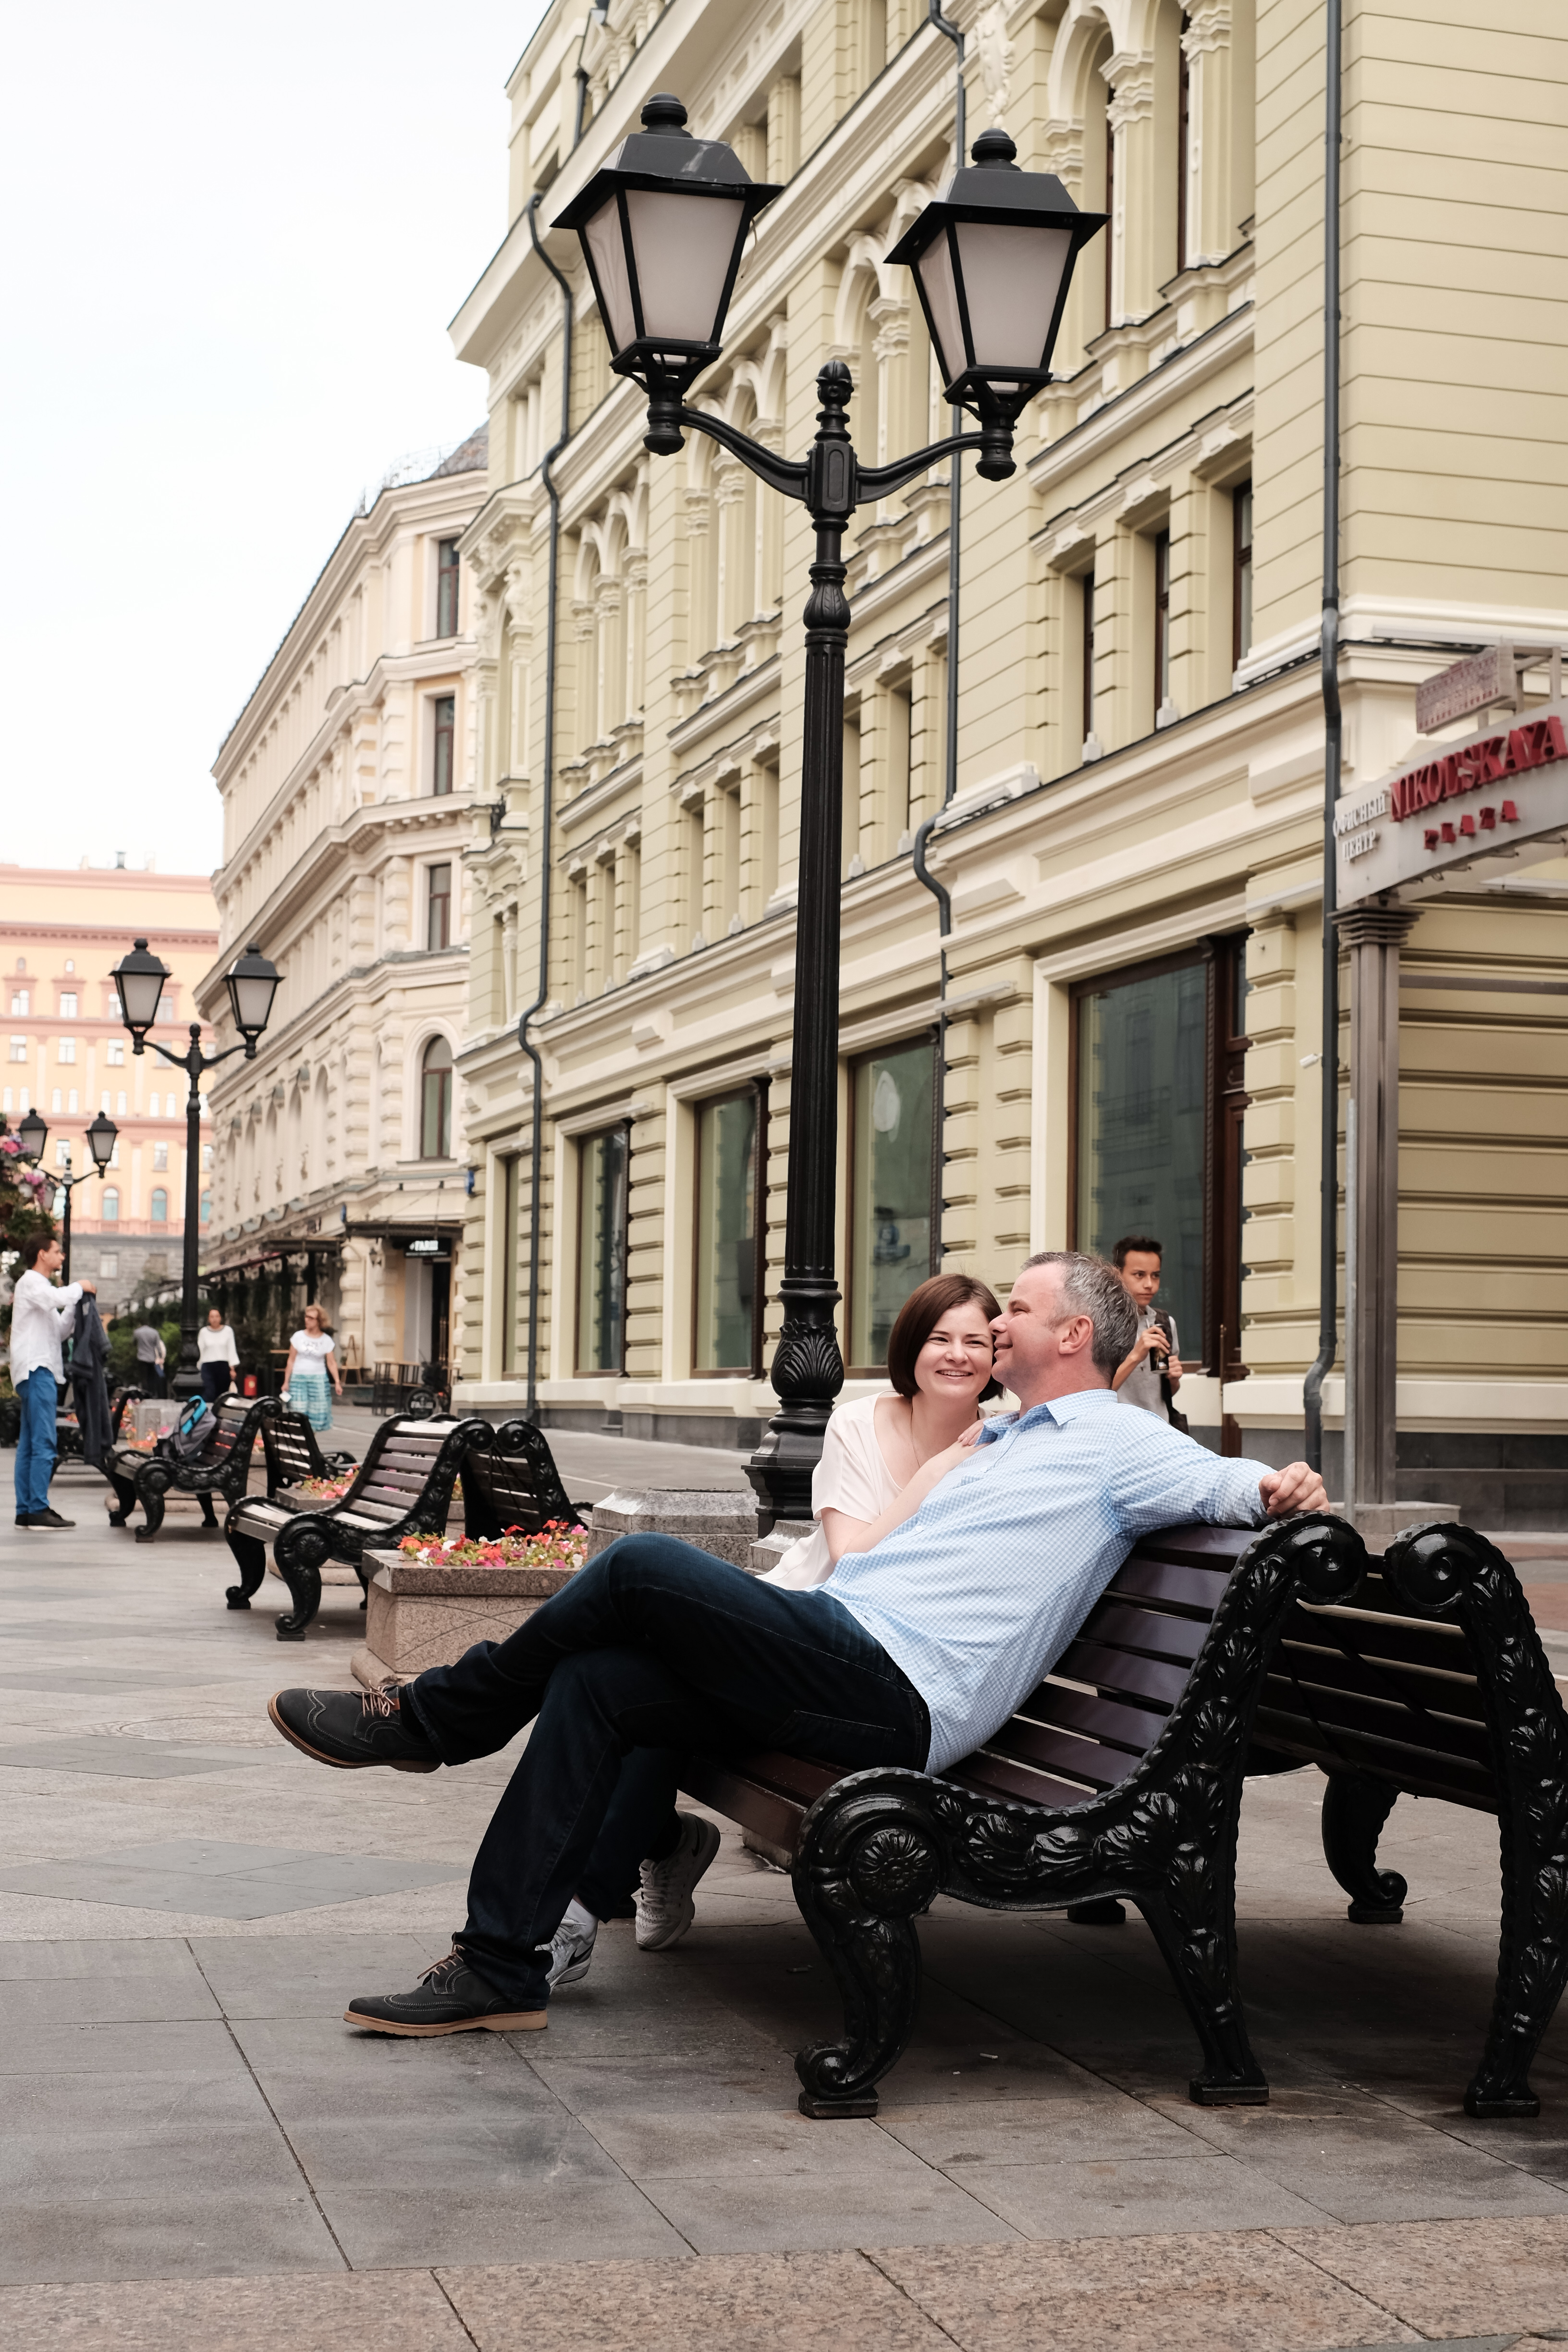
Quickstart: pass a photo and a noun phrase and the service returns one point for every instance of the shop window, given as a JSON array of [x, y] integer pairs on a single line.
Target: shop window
[[447, 578], [729, 1291], [1241, 588], [435, 1100], [160, 1205], [1158, 1102], [894, 1231], [438, 906], [442, 765], [602, 1163]]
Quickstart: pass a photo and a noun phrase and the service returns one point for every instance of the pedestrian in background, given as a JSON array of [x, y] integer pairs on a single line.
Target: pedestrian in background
[[217, 1355], [1151, 1372], [42, 1315], [311, 1365], [148, 1360]]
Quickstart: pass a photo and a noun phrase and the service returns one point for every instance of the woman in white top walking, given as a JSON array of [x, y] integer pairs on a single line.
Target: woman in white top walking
[[217, 1356], [882, 1456], [310, 1367]]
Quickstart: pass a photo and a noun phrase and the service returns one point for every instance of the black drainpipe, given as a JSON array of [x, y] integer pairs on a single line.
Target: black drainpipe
[[536, 1156], [949, 779], [1329, 1170]]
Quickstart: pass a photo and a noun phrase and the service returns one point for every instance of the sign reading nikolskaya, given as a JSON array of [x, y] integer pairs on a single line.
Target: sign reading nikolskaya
[[1501, 796]]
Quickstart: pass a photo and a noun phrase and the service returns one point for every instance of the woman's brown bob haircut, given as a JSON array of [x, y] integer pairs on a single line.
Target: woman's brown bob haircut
[[921, 1313]]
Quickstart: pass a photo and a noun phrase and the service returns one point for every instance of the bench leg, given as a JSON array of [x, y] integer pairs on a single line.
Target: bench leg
[[1195, 1925], [304, 1582], [150, 1494], [125, 1496], [876, 1963], [1356, 1807], [209, 1516], [251, 1555]]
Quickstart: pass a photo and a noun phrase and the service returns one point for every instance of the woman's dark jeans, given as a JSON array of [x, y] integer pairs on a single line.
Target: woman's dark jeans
[[652, 1646], [216, 1381]]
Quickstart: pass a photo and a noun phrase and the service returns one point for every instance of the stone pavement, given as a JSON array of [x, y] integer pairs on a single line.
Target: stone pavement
[[200, 2154]]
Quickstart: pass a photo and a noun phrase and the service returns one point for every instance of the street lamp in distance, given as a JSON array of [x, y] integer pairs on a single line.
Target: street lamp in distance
[[662, 225], [252, 984], [33, 1134]]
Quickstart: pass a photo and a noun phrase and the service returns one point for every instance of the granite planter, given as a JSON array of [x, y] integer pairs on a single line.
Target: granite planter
[[419, 1615]]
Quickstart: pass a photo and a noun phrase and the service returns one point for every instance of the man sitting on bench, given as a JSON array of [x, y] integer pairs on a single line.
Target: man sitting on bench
[[911, 1654]]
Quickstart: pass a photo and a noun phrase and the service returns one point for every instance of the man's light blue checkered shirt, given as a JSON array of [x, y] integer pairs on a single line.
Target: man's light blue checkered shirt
[[978, 1595]]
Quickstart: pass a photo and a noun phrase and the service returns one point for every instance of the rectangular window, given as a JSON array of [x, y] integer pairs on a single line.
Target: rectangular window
[[206, 1159], [441, 770], [18, 1049], [510, 1243], [56, 1100], [72, 1099], [438, 908], [107, 1260], [160, 1155], [65, 1049], [120, 1104], [1241, 593], [21, 1000], [4, 1099], [62, 1155], [67, 1007], [152, 1106], [897, 712], [603, 1162], [729, 1332], [1142, 1102], [447, 588], [1162, 623], [1088, 656], [114, 1054], [894, 1240]]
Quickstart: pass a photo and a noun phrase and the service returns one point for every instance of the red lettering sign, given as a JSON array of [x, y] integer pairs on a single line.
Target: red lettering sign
[[1535, 744]]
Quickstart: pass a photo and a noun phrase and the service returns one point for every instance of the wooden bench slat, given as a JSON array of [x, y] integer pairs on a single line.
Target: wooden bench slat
[[1333, 1710], [1121, 1625], [726, 1790], [996, 1776], [1405, 1640], [1386, 1678], [1135, 1728], [1421, 1769], [1084, 1759], [1197, 1589], [1117, 1673]]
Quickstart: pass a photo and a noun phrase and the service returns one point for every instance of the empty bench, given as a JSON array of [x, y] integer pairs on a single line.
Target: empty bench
[[403, 1487], [1120, 1777], [1433, 1682], [221, 1469], [291, 1454]]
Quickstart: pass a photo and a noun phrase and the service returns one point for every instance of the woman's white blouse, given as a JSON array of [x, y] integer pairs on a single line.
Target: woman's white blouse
[[851, 1477], [318, 1344], [215, 1346]]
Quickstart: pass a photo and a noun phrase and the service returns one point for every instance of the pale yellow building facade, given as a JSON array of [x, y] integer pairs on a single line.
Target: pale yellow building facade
[[349, 789], [1134, 851], [68, 1056]]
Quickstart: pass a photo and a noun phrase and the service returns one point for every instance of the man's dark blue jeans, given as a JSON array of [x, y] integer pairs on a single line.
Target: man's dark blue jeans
[[652, 1646]]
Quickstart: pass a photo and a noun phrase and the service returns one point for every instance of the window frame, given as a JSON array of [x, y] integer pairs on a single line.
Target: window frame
[[1161, 553], [443, 741], [855, 1063], [159, 1193], [757, 1088], [447, 1075], [1240, 572], [1222, 955], [448, 586], [582, 1144], [434, 898], [1086, 594]]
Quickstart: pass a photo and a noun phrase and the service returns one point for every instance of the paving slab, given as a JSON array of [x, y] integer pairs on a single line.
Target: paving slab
[[401, 2311], [122, 1757], [220, 1879], [1453, 2278]]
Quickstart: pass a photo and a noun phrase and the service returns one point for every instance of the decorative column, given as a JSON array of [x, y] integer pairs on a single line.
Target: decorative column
[[1136, 197], [1373, 935], [1213, 212]]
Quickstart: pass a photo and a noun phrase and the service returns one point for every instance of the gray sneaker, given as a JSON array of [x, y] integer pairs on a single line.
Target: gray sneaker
[[665, 1909], [571, 1955]]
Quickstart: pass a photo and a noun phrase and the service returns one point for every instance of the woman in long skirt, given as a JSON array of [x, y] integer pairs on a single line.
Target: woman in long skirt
[[311, 1365]]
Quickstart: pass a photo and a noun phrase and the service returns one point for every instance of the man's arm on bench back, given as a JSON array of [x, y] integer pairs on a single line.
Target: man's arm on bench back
[[1171, 1479]]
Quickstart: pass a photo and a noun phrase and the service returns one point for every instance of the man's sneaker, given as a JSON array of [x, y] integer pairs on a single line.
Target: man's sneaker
[[54, 1519], [665, 1909], [571, 1954], [45, 1522], [448, 1998], [352, 1729]]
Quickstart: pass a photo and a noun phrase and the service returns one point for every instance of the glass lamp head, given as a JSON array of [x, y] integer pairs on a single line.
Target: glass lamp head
[[252, 984], [993, 258], [32, 1134], [140, 978], [101, 1138], [662, 225]]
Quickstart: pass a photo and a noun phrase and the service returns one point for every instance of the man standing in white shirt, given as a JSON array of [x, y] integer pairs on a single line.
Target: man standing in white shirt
[[41, 1316]]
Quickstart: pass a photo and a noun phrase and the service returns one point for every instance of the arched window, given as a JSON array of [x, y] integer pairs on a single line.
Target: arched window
[[111, 1206], [435, 1100], [160, 1207]]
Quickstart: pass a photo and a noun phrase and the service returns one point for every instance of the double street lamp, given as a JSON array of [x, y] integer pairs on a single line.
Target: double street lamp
[[33, 1134], [663, 226], [252, 984]]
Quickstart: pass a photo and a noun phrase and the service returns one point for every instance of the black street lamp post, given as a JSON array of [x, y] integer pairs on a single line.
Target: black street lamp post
[[252, 984], [662, 226], [101, 1138]]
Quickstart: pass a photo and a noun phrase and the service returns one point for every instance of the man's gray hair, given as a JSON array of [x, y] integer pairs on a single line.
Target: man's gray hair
[[1090, 1287]]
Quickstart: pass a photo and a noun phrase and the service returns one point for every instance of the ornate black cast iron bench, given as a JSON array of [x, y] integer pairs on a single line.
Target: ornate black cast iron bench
[[291, 1454], [404, 1486], [1120, 1777], [1434, 1682], [221, 1469]]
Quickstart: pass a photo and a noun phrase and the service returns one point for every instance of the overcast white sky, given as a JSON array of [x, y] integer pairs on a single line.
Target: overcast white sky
[[232, 245]]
